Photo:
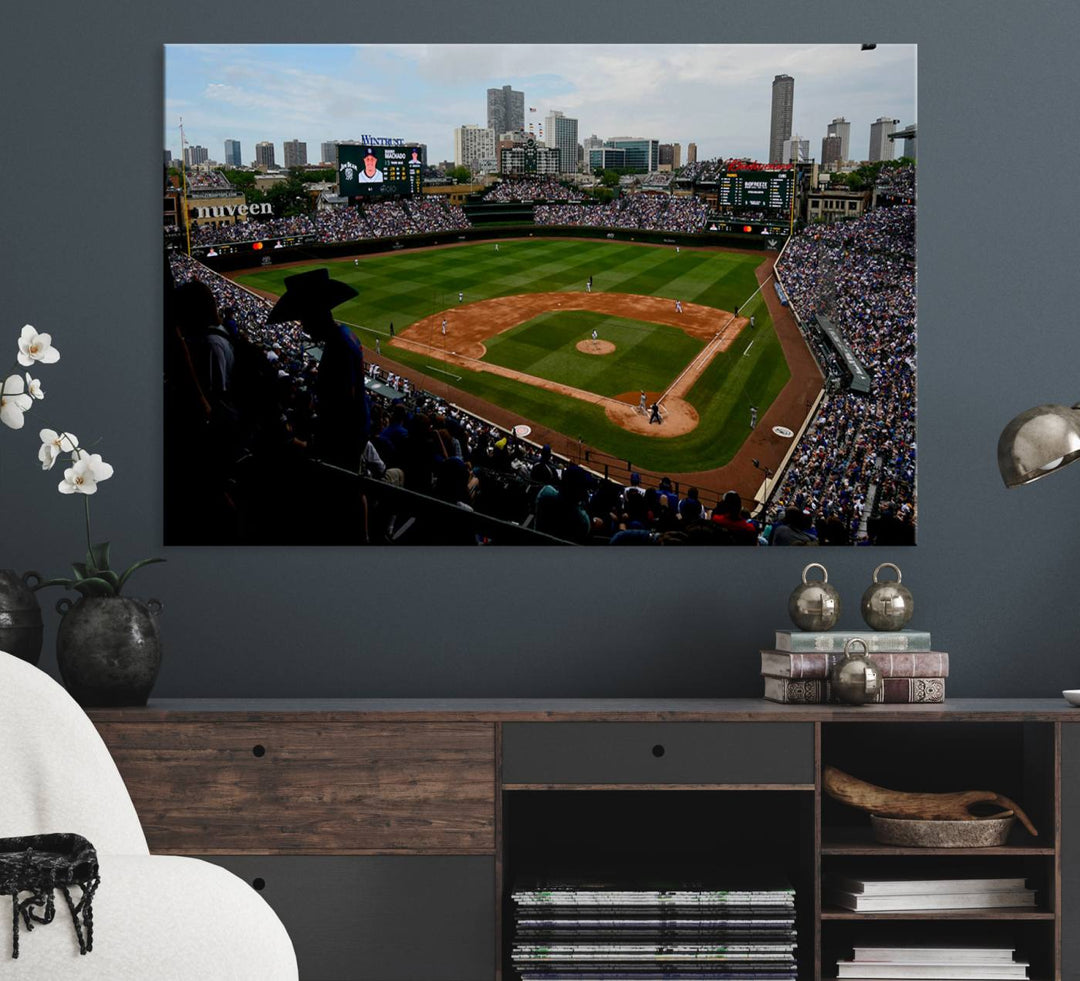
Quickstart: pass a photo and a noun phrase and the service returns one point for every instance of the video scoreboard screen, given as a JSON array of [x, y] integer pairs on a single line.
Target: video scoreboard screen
[[758, 189], [379, 171]]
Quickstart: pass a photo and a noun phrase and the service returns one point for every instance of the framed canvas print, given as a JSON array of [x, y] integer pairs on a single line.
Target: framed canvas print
[[540, 294]]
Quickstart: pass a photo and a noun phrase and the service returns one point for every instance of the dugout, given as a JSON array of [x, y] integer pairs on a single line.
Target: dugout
[[860, 380]]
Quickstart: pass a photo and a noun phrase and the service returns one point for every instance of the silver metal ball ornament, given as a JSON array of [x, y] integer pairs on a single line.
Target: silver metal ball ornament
[[887, 605], [855, 679], [814, 605]]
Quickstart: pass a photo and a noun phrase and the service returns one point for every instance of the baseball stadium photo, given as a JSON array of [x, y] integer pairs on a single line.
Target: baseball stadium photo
[[461, 309]]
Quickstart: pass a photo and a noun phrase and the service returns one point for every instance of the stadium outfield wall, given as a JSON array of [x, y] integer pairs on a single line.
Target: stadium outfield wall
[[244, 256]]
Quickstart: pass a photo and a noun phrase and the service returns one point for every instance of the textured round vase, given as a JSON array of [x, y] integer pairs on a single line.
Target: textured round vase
[[21, 628], [108, 649]]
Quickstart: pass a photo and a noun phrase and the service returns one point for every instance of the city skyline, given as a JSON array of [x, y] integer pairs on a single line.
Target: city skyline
[[717, 96]]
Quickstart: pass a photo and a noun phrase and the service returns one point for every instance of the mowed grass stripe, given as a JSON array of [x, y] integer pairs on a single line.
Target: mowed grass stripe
[[646, 355]]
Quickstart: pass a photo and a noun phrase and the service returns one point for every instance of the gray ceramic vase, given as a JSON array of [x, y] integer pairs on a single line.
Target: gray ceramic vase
[[108, 649], [21, 628]]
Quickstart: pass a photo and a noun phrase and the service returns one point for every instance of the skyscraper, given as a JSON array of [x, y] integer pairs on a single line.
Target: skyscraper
[[264, 155], [831, 153], [505, 110], [295, 153], [796, 148], [232, 153], [168, 157], [881, 147], [561, 133], [783, 103], [691, 153], [842, 128], [195, 155], [473, 145]]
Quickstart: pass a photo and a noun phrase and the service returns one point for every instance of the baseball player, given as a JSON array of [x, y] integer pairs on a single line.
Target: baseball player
[[594, 336], [753, 416], [752, 317], [443, 326], [378, 348], [641, 403], [678, 306], [356, 262], [588, 286], [460, 296]]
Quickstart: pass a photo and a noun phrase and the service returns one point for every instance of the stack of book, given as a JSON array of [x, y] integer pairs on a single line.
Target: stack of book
[[896, 893], [939, 963], [578, 931], [797, 670]]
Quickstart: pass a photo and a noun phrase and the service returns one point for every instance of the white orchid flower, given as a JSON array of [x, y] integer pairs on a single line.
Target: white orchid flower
[[85, 474], [33, 387], [36, 347], [14, 401], [53, 444]]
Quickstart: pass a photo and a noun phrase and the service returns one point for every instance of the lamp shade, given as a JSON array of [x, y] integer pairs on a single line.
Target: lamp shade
[[1037, 442]]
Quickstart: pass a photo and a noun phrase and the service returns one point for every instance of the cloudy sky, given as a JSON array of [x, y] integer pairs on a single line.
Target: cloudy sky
[[715, 95]]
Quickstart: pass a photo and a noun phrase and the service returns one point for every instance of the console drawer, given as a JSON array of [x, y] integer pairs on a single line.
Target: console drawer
[[297, 787], [381, 918], [695, 753]]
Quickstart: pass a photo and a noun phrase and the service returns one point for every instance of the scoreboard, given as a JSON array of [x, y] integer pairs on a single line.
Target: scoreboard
[[379, 171], [762, 190]]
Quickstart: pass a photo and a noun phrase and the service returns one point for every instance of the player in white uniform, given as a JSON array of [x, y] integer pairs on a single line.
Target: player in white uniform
[[642, 402], [443, 326], [678, 306], [594, 336]]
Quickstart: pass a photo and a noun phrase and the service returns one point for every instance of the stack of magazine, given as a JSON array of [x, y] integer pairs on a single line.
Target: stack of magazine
[[938, 963], [901, 893], [580, 931]]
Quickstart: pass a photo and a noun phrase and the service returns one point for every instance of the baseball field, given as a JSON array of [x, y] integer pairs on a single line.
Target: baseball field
[[521, 338]]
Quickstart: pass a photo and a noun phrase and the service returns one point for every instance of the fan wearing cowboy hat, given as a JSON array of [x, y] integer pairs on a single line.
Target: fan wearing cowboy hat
[[341, 426]]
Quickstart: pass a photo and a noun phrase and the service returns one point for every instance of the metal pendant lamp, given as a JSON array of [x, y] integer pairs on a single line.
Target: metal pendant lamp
[[1037, 442]]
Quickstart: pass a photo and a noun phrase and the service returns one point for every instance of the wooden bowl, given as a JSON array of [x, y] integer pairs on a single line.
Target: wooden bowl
[[914, 832]]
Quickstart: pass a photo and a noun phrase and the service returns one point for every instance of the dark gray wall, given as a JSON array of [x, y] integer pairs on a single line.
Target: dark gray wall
[[994, 577]]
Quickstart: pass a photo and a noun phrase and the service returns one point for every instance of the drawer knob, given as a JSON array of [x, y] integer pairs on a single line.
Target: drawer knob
[[258, 750], [658, 750]]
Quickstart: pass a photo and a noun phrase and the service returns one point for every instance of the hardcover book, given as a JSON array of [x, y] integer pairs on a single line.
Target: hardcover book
[[833, 641], [892, 664], [894, 691]]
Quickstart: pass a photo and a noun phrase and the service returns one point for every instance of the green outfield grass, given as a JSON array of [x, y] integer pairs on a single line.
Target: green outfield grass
[[405, 287]]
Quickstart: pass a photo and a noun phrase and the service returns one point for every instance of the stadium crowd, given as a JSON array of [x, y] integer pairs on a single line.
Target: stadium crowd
[[855, 465], [896, 181], [656, 212], [379, 219], [531, 189]]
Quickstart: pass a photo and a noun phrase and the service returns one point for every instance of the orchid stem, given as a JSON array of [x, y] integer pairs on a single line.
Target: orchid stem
[[89, 547]]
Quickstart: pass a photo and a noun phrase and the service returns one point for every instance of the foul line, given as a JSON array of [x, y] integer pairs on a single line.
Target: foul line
[[441, 372], [748, 346]]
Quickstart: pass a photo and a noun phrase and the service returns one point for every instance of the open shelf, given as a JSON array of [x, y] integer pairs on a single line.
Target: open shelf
[[1002, 913]]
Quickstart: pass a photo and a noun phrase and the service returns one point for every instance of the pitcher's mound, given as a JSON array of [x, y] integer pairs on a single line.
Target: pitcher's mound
[[595, 347]]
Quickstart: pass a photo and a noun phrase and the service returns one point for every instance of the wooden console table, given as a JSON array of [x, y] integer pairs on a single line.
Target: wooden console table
[[387, 832]]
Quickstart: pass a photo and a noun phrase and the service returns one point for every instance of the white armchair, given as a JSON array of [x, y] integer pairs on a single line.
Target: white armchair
[[156, 918]]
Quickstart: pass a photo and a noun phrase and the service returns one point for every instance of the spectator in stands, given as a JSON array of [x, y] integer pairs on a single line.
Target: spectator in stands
[[342, 426], [729, 515], [690, 508], [560, 511]]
